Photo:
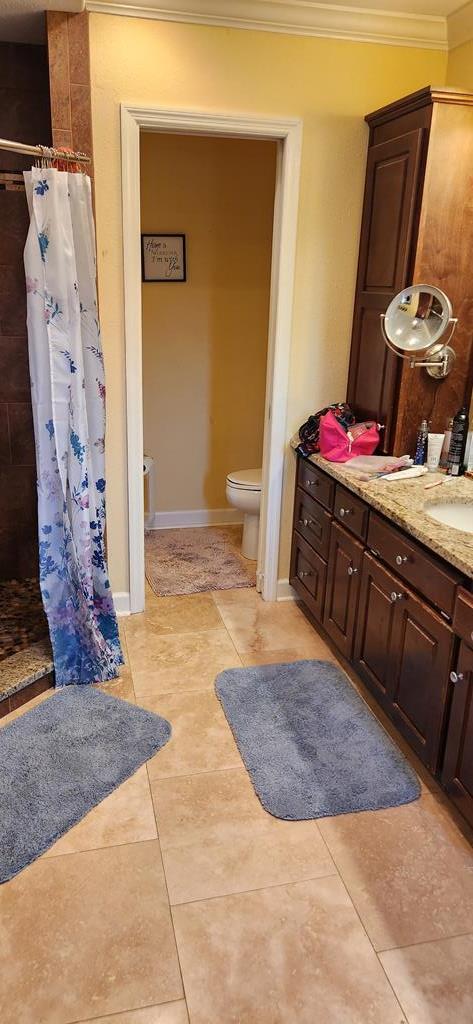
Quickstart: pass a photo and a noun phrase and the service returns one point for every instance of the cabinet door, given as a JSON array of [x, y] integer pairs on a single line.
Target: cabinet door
[[308, 575], [457, 775], [374, 650], [389, 214], [423, 645], [403, 653], [312, 522], [343, 585]]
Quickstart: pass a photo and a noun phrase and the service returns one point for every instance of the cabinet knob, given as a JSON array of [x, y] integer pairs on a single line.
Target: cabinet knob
[[344, 512], [306, 522], [456, 677], [396, 596], [311, 483], [401, 559], [301, 574], [351, 570]]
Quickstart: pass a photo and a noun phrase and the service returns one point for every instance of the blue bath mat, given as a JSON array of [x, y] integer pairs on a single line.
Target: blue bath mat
[[60, 759], [311, 745]]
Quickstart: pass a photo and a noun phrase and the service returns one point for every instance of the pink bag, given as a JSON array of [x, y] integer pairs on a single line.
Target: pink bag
[[339, 445]]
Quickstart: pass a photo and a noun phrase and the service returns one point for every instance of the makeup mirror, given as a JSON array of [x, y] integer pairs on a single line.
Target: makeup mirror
[[415, 322]]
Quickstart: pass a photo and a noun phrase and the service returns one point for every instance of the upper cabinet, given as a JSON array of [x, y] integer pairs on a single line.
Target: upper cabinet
[[417, 227]]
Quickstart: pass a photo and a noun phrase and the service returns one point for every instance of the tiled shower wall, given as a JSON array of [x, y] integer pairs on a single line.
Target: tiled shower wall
[[25, 117], [69, 80]]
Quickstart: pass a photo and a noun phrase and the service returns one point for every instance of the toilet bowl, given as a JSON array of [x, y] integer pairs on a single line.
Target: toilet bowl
[[243, 491]]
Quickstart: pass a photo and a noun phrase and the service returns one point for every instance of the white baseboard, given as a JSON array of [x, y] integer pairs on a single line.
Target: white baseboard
[[192, 517], [121, 600], [285, 592]]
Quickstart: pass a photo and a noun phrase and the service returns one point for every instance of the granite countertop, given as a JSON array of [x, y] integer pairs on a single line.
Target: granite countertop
[[403, 502]]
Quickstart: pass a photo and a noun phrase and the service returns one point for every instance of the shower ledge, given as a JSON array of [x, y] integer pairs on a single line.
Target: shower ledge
[[25, 674]]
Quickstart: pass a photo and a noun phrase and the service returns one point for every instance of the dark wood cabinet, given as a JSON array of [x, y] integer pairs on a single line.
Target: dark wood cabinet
[[418, 180], [343, 587], [351, 511], [457, 775], [403, 653], [421, 659], [387, 603], [312, 522], [421, 570], [391, 197], [375, 633], [308, 575]]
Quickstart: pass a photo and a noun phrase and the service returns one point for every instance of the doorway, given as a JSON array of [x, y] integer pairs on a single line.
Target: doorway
[[288, 136]]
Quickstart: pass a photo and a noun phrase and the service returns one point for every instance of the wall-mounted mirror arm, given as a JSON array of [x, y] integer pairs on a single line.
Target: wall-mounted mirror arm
[[414, 328], [441, 356]]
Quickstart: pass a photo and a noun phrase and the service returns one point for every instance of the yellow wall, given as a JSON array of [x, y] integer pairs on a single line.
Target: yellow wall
[[330, 84], [460, 66], [205, 341]]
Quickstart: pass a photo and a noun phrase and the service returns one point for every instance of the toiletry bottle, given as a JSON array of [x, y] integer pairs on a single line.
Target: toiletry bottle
[[421, 444], [456, 453], [443, 464]]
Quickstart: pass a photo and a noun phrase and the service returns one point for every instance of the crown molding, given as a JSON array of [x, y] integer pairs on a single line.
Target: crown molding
[[294, 17], [460, 26]]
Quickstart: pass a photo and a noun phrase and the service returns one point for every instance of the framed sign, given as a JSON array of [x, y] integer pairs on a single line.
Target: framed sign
[[163, 257]]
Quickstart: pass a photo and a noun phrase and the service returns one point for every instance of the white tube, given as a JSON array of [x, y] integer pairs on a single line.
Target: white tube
[[434, 450]]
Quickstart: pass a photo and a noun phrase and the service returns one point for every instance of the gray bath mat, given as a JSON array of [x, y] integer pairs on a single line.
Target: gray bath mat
[[60, 759], [311, 745]]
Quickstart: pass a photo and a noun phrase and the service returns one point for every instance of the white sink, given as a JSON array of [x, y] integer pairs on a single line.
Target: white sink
[[453, 513]]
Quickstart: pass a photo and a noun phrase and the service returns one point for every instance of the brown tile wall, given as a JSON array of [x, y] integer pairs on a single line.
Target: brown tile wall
[[24, 116], [69, 80]]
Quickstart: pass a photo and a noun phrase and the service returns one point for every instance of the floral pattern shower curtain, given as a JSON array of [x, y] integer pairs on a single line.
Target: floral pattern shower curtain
[[68, 398]]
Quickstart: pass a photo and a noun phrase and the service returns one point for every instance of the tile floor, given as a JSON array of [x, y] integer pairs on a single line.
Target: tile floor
[[179, 900]]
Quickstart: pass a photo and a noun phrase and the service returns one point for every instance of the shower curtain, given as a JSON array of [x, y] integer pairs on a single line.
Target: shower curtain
[[68, 399]]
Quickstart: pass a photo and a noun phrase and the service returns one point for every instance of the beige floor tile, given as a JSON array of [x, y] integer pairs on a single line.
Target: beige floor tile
[[255, 625], [122, 632], [86, 934], [316, 649], [434, 980], [408, 869], [238, 595], [121, 687], [294, 954], [201, 739], [164, 615], [189, 661], [126, 816], [167, 1013], [216, 838]]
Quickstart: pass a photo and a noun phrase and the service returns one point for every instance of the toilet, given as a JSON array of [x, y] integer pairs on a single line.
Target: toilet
[[244, 492], [148, 477]]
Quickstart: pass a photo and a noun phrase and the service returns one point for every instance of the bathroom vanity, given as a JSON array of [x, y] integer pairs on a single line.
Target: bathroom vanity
[[393, 589]]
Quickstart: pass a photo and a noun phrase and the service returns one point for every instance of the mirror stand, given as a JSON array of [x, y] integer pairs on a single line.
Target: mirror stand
[[441, 356]]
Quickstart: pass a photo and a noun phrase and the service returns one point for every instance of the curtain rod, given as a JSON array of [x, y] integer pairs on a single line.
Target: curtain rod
[[47, 152]]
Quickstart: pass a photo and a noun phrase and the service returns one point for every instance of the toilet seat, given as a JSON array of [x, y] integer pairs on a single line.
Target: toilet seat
[[245, 479]]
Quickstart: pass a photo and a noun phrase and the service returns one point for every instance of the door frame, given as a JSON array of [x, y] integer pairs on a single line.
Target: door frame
[[288, 133]]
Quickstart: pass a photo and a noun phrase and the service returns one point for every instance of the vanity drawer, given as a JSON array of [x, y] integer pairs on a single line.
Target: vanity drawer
[[317, 484], [431, 577], [312, 522], [351, 511], [308, 575], [463, 616]]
